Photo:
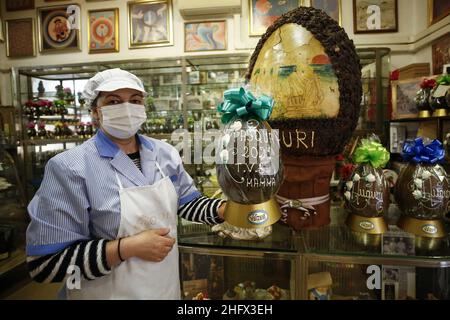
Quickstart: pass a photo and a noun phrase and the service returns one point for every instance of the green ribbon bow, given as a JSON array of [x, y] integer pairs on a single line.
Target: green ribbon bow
[[371, 152], [242, 104], [445, 80]]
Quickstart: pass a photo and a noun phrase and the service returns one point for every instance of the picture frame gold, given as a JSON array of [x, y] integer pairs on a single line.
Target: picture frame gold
[[432, 5], [403, 94], [256, 33], [116, 31], [311, 3], [390, 29], [44, 45], [23, 36], [225, 42], [167, 39]]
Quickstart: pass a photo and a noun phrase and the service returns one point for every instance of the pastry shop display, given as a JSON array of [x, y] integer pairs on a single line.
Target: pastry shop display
[[422, 190], [310, 67], [367, 191], [230, 295], [249, 169], [248, 291], [277, 293], [319, 286], [200, 296]]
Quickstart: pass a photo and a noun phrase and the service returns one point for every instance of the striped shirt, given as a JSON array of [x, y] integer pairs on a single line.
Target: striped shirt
[[78, 200], [136, 158], [90, 255]]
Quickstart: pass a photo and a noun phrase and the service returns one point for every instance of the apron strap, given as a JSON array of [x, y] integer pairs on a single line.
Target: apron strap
[[160, 170], [120, 183], [118, 180]]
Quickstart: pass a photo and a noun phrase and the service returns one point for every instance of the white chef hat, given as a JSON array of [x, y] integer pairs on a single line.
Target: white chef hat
[[111, 80]]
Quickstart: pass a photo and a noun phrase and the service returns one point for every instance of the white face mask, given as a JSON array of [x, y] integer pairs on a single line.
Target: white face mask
[[123, 120]]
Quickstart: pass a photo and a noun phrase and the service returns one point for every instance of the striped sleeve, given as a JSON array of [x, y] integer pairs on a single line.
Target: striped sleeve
[[201, 209], [89, 256]]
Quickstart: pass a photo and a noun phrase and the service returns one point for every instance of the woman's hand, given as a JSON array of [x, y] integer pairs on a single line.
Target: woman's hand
[[150, 245], [221, 210]]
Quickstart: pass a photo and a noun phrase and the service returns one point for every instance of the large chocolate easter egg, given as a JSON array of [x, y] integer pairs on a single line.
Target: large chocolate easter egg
[[307, 63], [250, 171], [367, 192], [422, 191]]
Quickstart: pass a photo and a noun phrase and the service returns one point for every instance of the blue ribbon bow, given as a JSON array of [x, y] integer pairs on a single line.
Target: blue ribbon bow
[[242, 103], [416, 151]]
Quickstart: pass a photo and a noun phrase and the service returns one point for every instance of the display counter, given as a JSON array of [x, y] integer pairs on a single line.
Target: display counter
[[328, 263]]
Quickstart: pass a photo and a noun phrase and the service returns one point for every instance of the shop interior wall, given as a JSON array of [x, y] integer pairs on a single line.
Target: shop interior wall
[[412, 43]]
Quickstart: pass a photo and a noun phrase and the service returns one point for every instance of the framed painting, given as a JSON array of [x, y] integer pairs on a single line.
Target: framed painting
[[205, 36], [20, 38], [150, 23], [375, 16], [403, 94], [103, 30], [57, 32], [264, 12], [441, 53], [16, 5], [437, 10], [332, 7]]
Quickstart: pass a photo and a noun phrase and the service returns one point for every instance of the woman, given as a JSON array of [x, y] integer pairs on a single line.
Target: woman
[[110, 206]]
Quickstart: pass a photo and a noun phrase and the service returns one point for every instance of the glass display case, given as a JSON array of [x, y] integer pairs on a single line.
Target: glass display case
[[216, 268], [13, 216], [375, 63], [330, 263], [183, 94], [392, 266]]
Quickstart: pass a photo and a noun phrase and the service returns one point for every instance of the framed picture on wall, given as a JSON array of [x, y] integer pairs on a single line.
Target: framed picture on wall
[[56, 31], [15, 5], [403, 94], [150, 23], [205, 36], [332, 7], [264, 12], [103, 31], [441, 53], [437, 10], [20, 38], [375, 16]]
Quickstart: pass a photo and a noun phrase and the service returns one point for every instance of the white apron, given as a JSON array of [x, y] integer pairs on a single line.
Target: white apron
[[142, 208]]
